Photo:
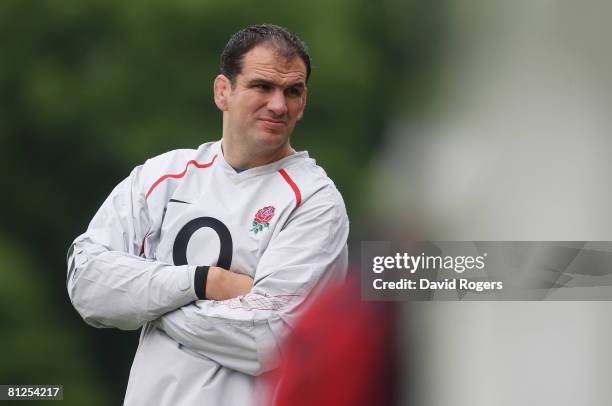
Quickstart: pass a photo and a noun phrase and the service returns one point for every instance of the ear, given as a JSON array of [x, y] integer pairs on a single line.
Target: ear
[[221, 88], [304, 96]]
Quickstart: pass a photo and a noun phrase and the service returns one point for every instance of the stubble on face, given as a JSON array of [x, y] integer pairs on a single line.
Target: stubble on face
[[264, 104]]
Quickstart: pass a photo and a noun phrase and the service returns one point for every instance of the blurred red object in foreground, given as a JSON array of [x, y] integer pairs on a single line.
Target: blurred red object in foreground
[[340, 353]]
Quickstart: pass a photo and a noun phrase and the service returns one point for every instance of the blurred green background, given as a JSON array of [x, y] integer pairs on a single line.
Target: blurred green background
[[90, 89]]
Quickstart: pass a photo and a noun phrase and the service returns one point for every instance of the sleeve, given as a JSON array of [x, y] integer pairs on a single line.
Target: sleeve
[[108, 283], [244, 333]]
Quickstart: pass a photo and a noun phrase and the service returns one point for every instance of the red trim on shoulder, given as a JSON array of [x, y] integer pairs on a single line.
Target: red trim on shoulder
[[179, 175], [296, 190]]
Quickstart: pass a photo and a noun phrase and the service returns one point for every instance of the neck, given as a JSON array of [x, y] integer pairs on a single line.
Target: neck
[[242, 156]]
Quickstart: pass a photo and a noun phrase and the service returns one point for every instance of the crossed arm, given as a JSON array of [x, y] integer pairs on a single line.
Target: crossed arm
[[242, 320], [111, 286], [223, 285]]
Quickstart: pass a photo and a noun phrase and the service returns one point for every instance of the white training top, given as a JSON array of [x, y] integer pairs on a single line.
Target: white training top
[[284, 224]]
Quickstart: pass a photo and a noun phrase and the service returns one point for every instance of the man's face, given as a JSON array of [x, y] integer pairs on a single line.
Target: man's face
[[266, 100]]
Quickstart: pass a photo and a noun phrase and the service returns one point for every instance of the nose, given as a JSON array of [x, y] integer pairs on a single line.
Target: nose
[[277, 103]]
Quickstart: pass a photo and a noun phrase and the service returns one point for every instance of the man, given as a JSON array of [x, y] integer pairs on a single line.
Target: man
[[212, 250]]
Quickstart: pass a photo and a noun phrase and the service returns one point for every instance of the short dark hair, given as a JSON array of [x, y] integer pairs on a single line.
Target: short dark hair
[[286, 43]]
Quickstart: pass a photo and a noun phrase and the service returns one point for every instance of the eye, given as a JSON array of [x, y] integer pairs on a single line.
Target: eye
[[262, 86], [294, 91]]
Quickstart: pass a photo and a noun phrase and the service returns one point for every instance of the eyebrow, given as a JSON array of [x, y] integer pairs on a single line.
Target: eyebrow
[[253, 82]]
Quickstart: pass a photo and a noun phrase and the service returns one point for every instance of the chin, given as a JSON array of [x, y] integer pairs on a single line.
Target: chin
[[272, 140]]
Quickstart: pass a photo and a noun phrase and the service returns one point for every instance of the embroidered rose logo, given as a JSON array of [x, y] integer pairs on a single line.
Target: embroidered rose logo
[[262, 219]]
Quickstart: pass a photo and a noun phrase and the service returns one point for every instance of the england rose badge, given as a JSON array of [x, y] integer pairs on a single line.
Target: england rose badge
[[262, 219]]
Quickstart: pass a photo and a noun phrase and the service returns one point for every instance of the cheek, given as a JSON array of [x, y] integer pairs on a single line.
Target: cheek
[[239, 108], [251, 104], [296, 109]]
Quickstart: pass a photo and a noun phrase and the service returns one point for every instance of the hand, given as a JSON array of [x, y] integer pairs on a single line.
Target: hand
[[222, 284]]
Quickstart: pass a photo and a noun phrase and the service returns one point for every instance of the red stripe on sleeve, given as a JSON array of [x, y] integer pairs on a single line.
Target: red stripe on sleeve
[[296, 190], [179, 175]]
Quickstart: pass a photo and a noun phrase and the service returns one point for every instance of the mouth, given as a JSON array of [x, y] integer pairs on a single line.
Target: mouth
[[272, 123]]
